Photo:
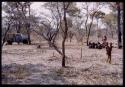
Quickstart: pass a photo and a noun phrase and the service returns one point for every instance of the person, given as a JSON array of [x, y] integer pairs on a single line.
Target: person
[[96, 45], [108, 51], [38, 46], [104, 41], [105, 38], [93, 45], [99, 45], [90, 45]]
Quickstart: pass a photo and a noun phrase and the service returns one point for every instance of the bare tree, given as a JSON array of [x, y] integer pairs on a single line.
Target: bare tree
[[23, 8], [90, 14], [119, 27], [50, 36], [9, 19], [9, 22], [18, 11], [99, 15], [118, 7], [65, 7]]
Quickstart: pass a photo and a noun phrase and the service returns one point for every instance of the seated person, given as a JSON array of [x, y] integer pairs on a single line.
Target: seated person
[[93, 45], [90, 45]]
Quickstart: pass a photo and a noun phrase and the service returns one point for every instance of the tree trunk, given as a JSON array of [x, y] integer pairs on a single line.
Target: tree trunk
[[89, 32], [81, 52], [112, 34], [64, 38], [86, 26], [19, 27], [4, 38], [88, 37], [70, 37], [52, 44], [63, 51], [16, 26], [28, 32], [29, 28], [106, 31], [86, 30], [119, 28], [97, 31], [29, 41]]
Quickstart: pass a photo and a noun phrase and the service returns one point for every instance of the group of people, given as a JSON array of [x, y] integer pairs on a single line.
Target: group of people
[[105, 44], [98, 45], [95, 45]]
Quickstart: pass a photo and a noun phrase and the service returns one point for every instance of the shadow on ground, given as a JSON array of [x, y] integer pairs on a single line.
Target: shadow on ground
[[31, 74]]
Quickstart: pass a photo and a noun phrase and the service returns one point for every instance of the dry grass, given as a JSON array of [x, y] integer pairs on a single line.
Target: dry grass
[[91, 69], [19, 73]]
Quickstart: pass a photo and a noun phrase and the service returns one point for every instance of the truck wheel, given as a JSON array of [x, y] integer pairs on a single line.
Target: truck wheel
[[9, 42], [25, 41]]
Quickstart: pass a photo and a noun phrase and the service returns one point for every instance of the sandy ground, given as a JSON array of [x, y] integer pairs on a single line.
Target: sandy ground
[[26, 64]]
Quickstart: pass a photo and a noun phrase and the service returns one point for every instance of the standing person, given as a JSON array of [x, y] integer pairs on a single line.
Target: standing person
[[108, 52], [105, 38], [90, 44], [104, 41]]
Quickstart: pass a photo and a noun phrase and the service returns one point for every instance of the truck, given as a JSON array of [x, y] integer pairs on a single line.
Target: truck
[[16, 37]]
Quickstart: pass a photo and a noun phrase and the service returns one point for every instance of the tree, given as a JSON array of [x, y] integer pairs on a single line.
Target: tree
[[118, 7], [65, 7], [9, 22], [7, 19], [28, 25], [60, 10], [90, 14], [110, 21], [119, 27], [99, 15], [17, 11], [22, 8]]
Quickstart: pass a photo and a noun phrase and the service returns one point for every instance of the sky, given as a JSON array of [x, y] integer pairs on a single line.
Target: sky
[[37, 9], [36, 6]]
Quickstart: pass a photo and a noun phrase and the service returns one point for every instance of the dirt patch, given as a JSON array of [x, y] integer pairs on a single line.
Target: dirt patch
[[43, 66]]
